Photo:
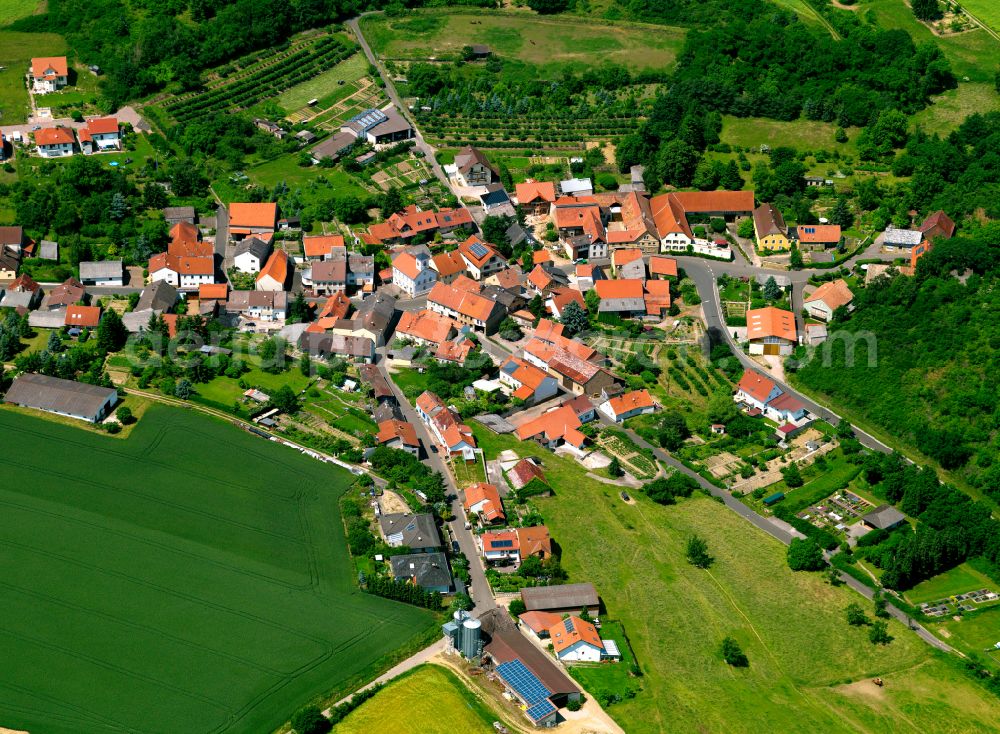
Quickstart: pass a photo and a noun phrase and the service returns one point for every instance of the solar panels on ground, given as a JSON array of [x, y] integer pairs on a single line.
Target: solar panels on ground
[[478, 249], [524, 682]]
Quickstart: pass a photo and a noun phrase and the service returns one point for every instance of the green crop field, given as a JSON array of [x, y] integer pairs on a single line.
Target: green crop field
[[430, 700], [561, 42], [328, 82], [16, 51], [189, 578], [808, 670]]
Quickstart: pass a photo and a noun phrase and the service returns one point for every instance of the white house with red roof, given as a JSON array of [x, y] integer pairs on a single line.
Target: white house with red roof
[[483, 500], [48, 74], [761, 395], [481, 258], [575, 640], [527, 382], [628, 405], [446, 426], [100, 134], [412, 273], [55, 142], [397, 434]]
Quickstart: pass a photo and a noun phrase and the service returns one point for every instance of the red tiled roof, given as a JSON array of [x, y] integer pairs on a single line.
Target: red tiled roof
[[548, 330], [488, 251], [530, 192], [755, 385], [471, 305], [635, 400], [102, 125], [276, 267], [499, 540], [625, 255], [263, 215], [481, 491], [715, 201], [213, 291], [454, 351], [618, 289], [426, 325], [561, 423], [819, 233], [320, 245], [392, 429], [572, 630], [770, 321], [83, 316], [539, 277], [534, 541], [541, 256], [54, 136], [523, 472], [669, 215], [834, 294], [42, 64], [539, 622], [449, 263], [662, 266]]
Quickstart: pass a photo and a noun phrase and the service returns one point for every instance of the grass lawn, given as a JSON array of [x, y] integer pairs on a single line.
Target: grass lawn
[[555, 43], [611, 678], [958, 580], [429, 700], [804, 659], [986, 11], [349, 70], [801, 134], [224, 390], [976, 633], [313, 181], [190, 575], [952, 107], [468, 474], [411, 382], [11, 10], [16, 51]]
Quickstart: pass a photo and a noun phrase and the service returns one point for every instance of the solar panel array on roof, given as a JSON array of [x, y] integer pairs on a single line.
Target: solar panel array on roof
[[478, 249], [503, 544], [410, 528], [569, 625], [540, 710], [528, 688], [810, 230]]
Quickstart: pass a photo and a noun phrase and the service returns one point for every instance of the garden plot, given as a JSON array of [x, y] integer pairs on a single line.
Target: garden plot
[[836, 512]]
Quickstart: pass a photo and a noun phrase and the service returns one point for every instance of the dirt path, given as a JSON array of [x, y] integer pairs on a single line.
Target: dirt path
[[391, 502]]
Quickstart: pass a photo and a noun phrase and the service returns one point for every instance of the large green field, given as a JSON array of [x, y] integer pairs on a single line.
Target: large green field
[[551, 41], [809, 671], [189, 578], [430, 700], [11, 10], [986, 11]]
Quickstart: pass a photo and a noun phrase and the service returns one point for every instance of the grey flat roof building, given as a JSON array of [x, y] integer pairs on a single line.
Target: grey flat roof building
[[63, 397], [884, 517], [568, 597]]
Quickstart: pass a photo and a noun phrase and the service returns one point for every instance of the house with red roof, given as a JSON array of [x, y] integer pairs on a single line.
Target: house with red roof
[[321, 246], [397, 434], [938, 224], [662, 268], [539, 623], [557, 427], [83, 317], [576, 640], [247, 219], [410, 222], [624, 298], [276, 273], [559, 298], [48, 74], [818, 237], [100, 134], [628, 405], [483, 500], [535, 197], [446, 426], [527, 382], [481, 258], [523, 472], [673, 213], [455, 351], [760, 395], [828, 298], [771, 331], [413, 273], [449, 265], [55, 142], [467, 307], [499, 547], [425, 327], [182, 271]]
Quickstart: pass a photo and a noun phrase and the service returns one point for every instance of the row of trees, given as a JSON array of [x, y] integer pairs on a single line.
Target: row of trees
[[403, 591]]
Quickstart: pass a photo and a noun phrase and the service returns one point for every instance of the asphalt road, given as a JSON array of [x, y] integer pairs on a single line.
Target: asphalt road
[[479, 587]]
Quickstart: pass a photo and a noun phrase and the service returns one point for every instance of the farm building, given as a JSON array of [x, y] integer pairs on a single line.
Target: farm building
[[62, 397], [884, 517], [568, 598], [103, 273]]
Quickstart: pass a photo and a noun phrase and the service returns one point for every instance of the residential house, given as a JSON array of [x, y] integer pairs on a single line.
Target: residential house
[[901, 240], [186, 273], [527, 382], [762, 396], [361, 272], [582, 407], [275, 275], [246, 219], [769, 228], [817, 237], [562, 599], [67, 293], [581, 229], [534, 541], [557, 427], [102, 273], [481, 258], [938, 225], [576, 640], [559, 298], [48, 74], [523, 472], [9, 263], [251, 254], [264, 306], [100, 134], [483, 500], [326, 277], [374, 320], [411, 222], [541, 281], [628, 256], [656, 296], [429, 571], [535, 197], [55, 142], [586, 275], [12, 239], [771, 330], [662, 268], [828, 298], [449, 265], [628, 405], [412, 272], [672, 213], [631, 223], [22, 294], [397, 434], [455, 351], [417, 532], [425, 327], [325, 346], [83, 317], [499, 547], [446, 426], [321, 246], [185, 241], [465, 307], [539, 623], [472, 168], [624, 298]]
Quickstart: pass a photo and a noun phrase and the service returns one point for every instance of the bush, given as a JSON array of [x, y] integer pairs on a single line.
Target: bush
[[805, 555], [310, 720], [575, 704], [733, 654]]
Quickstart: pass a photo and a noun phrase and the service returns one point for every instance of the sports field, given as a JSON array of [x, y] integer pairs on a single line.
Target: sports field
[[192, 578], [550, 41], [809, 671], [430, 700]]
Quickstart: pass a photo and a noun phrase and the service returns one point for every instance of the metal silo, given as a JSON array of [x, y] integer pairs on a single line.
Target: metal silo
[[471, 638]]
